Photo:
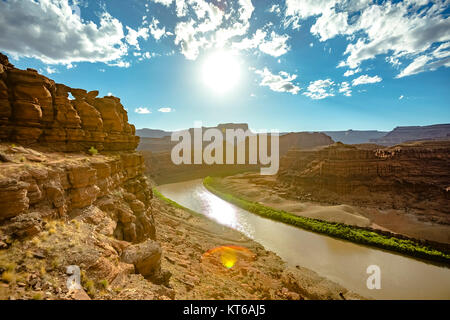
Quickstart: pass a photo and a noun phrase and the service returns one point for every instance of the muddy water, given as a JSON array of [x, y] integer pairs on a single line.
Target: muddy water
[[341, 261]]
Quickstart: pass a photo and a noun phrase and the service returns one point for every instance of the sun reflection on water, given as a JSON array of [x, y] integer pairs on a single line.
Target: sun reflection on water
[[219, 210]]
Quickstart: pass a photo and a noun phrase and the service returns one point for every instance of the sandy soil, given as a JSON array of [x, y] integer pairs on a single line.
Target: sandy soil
[[263, 189]]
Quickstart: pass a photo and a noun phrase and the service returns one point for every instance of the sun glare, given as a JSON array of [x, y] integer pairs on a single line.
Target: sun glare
[[221, 71]]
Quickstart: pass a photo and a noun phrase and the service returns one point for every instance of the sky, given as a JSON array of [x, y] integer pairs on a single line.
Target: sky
[[293, 65]]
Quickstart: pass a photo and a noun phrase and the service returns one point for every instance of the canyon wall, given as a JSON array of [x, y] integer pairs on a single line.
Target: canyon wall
[[74, 161], [157, 154], [414, 133], [408, 176], [36, 110], [303, 140]]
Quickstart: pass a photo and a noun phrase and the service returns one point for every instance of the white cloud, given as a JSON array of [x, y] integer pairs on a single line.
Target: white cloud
[[166, 110], [349, 73], [251, 43], [281, 82], [365, 79], [331, 24], [428, 62], [51, 70], [209, 26], [275, 9], [345, 89], [142, 110], [155, 31], [406, 31], [276, 46], [186, 37], [51, 32], [133, 36], [307, 8], [246, 10], [146, 55], [164, 2], [320, 89], [120, 64]]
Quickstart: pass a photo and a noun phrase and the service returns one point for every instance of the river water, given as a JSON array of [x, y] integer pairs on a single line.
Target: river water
[[341, 261]]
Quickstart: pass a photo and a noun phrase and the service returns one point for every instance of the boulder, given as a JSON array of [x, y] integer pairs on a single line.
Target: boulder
[[145, 256], [13, 198]]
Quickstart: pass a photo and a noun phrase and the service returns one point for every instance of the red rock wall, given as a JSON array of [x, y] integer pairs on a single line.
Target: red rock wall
[[48, 177], [35, 109], [409, 175], [111, 191]]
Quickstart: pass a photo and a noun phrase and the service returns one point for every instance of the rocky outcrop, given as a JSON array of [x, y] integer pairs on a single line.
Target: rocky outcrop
[[46, 175], [355, 136], [412, 133], [303, 140], [36, 110], [108, 191], [152, 133], [157, 155], [409, 176]]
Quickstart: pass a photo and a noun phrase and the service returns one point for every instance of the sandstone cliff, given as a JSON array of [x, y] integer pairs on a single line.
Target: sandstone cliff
[[403, 134], [409, 176], [355, 136], [157, 155], [303, 140], [57, 194], [35, 109]]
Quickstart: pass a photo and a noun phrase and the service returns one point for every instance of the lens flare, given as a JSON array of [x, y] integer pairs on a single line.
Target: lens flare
[[228, 258], [229, 255]]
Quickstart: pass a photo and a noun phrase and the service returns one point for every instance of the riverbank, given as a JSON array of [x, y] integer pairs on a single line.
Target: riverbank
[[268, 191], [186, 235], [366, 236]]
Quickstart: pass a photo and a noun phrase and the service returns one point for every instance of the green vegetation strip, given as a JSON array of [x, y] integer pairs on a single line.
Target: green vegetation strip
[[337, 230]]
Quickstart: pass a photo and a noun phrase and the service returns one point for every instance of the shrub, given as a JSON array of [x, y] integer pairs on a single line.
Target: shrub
[[37, 296], [103, 283], [90, 287], [8, 277], [93, 151]]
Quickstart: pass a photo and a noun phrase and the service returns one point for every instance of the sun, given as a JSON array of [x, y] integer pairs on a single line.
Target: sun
[[221, 71]]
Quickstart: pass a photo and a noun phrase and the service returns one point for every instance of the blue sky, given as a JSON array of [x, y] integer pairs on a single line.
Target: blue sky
[[303, 65]]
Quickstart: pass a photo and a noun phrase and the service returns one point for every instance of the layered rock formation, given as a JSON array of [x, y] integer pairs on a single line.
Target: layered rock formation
[[355, 136], [409, 176], [152, 133], [35, 109], [303, 140], [44, 175], [157, 154], [403, 134], [110, 192]]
